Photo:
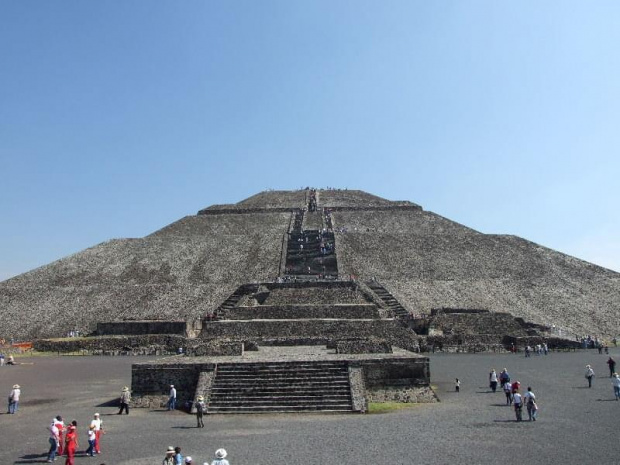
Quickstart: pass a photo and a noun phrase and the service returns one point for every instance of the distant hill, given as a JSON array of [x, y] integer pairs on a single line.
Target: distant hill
[[189, 267]]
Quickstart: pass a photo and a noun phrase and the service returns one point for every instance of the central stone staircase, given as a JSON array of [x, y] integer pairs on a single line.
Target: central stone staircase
[[281, 387]]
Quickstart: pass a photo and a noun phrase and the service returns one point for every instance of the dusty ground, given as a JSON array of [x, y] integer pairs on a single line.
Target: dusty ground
[[576, 425]]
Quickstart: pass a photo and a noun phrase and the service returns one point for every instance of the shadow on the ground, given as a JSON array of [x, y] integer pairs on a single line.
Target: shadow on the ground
[[32, 458], [110, 403]]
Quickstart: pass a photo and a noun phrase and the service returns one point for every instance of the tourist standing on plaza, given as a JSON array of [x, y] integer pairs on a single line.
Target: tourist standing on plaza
[[61, 429], [457, 385], [201, 407], [220, 457], [53, 440], [504, 377], [493, 380], [125, 399], [530, 404], [518, 404], [615, 381], [178, 458], [612, 366], [91, 441], [71, 443], [11, 360], [169, 458], [589, 375], [97, 425], [508, 392], [14, 398], [172, 399]]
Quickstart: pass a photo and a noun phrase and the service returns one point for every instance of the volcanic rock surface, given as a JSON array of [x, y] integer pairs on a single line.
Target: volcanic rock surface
[[186, 269]]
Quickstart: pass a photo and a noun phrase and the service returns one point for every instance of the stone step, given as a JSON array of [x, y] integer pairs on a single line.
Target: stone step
[[279, 368], [346, 408], [269, 397], [262, 403], [300, 373], [287, 390], [291, 381], [295, 364]]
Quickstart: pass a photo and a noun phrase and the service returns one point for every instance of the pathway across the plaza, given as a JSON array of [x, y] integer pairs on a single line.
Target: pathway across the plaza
[[576, 425]]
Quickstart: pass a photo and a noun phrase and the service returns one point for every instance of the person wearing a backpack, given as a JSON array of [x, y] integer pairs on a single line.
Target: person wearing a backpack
[[201, 408]]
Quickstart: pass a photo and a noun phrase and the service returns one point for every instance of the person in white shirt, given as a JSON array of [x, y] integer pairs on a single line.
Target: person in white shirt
[[54, 439], [615, 381], [517, 400], [14, 399], [530, 404], [493, 380], [92, 438], [589, 375], [172, 400], [97, 426]]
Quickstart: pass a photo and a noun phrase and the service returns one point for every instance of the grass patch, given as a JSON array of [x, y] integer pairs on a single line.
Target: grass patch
[[387, 407]]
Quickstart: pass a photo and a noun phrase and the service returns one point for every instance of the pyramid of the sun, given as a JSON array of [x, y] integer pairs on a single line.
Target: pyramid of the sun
[[186, 269]]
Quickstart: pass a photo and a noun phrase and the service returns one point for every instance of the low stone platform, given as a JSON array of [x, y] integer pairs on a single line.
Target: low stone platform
[[285, 379]]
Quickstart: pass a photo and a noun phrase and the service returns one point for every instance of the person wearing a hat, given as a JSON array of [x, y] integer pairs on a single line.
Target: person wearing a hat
[[169, 458], [201, 408], [220, 457], [14, 399], [98, 427], [125, 399], [188, 460]]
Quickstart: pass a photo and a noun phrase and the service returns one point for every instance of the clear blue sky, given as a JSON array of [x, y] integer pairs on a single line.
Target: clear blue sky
[[119, 117]]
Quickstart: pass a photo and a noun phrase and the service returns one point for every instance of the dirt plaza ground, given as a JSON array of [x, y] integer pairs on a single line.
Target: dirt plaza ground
[[576, 425]]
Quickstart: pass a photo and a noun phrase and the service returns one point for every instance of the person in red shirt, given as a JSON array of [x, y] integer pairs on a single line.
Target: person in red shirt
[[516, 386], [71, 443]]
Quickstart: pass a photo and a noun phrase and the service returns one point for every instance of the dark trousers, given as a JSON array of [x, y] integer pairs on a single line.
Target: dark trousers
[[519, 411], [200, 423], [125, 407]]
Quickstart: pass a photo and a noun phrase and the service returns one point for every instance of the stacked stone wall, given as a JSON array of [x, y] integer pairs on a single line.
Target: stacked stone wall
[[293, 312], [141, 327], [388, 330], [363, 347], [148, 344], [475, 323]]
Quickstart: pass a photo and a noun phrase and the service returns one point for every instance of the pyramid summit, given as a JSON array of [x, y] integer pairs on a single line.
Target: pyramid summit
[[185, 270]]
